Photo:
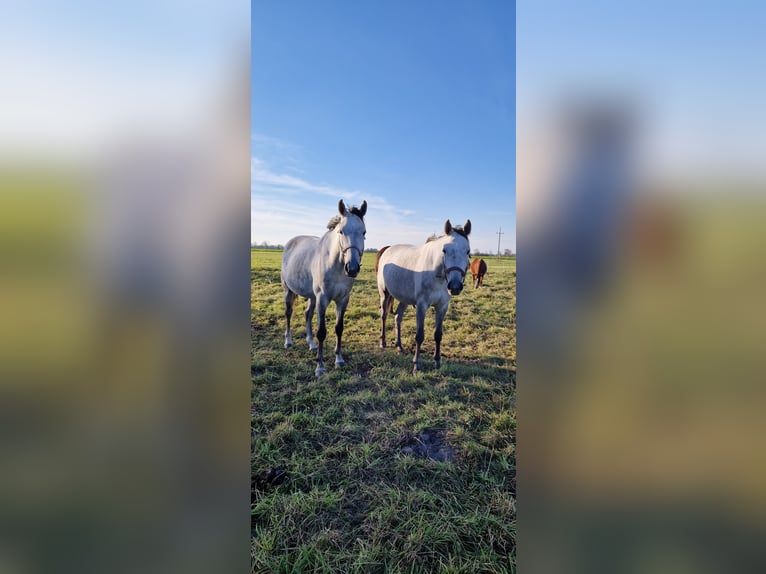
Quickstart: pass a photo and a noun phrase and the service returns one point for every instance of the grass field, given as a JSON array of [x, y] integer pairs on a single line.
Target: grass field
[[371, 468]]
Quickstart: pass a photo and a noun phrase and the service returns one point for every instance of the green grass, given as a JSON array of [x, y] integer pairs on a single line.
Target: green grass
[[354, 501]]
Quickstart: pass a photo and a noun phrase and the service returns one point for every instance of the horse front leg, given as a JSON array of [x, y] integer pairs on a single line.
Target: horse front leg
[[420, 317], [399, 314], [340, 311], [309, 316], [440, 314], [321, 333], [289, 300]]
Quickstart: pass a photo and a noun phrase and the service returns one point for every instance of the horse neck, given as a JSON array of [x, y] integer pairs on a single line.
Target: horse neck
[[434, 253], [331, 242]]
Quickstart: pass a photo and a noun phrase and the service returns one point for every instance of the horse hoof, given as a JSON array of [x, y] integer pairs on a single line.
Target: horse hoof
[[339, 362], [312, 347], [438, 364], [400, 350], [288, 344], [320, 371]]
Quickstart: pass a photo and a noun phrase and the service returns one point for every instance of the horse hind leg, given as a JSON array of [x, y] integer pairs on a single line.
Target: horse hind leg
[[386, 302], [399, 314], [309, 316], [289, 301]]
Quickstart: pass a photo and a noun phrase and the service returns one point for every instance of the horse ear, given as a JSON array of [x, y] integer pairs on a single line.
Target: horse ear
[[467, 227], [341, 208], [363, 208], [447, 227]]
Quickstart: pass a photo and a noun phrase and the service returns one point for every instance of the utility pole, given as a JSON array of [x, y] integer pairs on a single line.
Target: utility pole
[[499, 233]]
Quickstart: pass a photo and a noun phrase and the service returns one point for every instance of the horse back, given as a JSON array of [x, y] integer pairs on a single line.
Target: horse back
[[404, 271]]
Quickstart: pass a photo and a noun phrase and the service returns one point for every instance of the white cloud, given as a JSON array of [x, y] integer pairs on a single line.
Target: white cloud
[[263, 179], [283, 206]]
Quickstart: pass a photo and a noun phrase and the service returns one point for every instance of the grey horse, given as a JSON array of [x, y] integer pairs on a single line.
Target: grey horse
[[323, 270], [423, 277]]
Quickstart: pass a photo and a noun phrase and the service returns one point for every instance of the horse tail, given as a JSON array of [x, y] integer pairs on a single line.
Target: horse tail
[[389, 303], [377, 256]]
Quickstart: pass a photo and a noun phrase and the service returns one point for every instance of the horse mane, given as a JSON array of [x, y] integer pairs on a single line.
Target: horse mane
[[354, 210], [456, 228], [333, 223], [459, 230]]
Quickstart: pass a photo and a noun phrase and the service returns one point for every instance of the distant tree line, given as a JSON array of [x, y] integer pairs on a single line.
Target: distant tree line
[[266, 245], [506, 253], [476, 252]]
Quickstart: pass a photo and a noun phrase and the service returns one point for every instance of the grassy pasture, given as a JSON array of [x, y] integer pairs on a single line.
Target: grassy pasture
[[384, 471]]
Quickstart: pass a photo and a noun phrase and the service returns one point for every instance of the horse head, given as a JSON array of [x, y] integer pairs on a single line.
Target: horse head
[[457, 254], [351, 232]]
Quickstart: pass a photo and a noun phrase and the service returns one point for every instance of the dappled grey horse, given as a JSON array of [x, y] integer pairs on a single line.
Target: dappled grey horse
[[323, 270], [424, 277]]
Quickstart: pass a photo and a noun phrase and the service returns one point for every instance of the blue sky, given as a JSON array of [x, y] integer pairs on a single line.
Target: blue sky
[[409, 105], [690, 68]]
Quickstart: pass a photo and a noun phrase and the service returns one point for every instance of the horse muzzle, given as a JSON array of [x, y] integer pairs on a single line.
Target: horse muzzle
[[455, 287], [351, 269]]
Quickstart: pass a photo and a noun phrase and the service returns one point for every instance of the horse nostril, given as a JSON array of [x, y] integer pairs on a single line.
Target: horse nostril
[[351, 271]]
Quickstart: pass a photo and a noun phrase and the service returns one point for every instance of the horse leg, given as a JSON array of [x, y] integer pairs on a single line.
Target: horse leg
[[289, 300], [309, 316], [440, 313], [321, 332], [399, 314], [420, 317], [340, 310], [384, 305]]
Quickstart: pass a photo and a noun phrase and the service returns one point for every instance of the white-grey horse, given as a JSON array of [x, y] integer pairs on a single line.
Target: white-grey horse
[[423, 277], [323, 270]]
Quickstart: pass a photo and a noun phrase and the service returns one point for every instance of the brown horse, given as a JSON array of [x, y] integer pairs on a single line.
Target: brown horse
[[478, 270]]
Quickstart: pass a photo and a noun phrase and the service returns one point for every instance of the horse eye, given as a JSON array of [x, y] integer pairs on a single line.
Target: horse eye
[[444, 251], [340, 231]]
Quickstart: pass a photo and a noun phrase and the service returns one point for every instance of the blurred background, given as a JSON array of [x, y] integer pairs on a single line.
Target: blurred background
[[641, 208], [124, 339]]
